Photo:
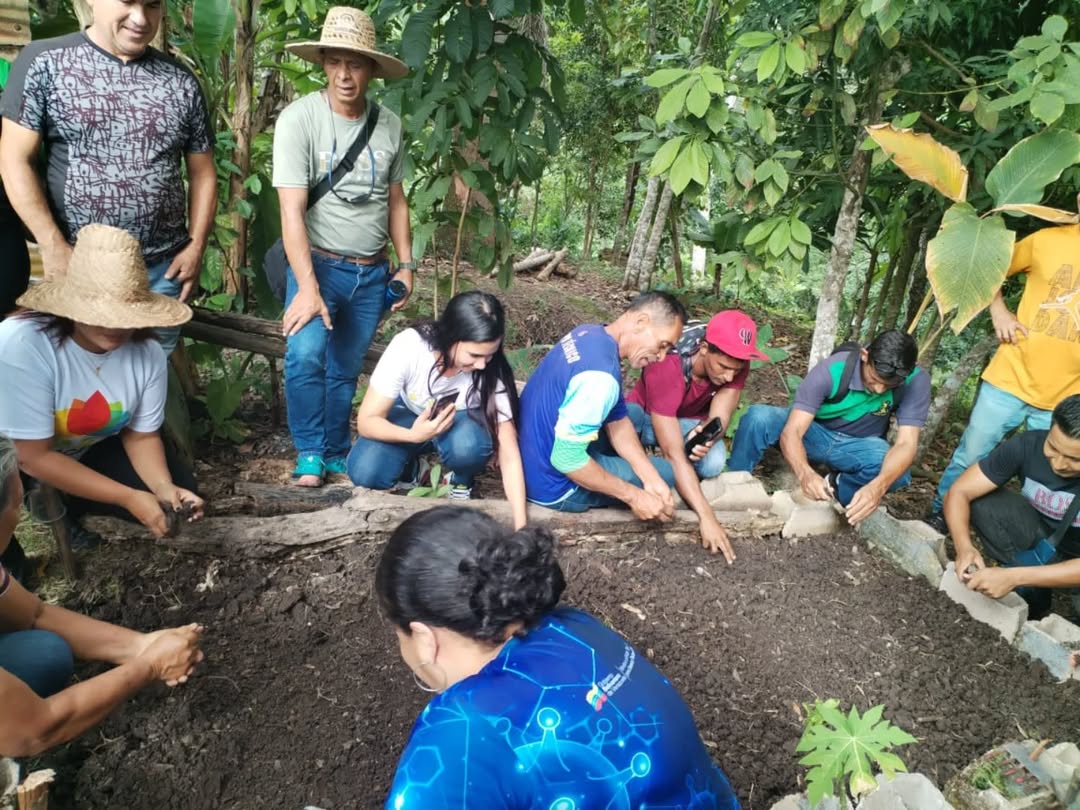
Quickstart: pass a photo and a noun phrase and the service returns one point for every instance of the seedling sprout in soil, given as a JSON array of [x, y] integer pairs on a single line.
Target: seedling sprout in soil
[[850, 748]]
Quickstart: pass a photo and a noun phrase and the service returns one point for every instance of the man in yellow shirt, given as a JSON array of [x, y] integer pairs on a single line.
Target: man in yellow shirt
[[1038, 362]]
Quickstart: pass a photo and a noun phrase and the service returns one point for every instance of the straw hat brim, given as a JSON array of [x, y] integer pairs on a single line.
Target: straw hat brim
[[386, 66], [145, 310]]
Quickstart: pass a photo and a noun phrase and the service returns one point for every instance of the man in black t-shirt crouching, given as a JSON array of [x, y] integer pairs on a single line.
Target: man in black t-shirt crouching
[[1047, 465]]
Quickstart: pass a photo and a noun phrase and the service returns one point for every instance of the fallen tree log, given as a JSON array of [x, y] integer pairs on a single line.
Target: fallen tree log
[[371, 516], [534, 260], [549, 268], [250, 334]]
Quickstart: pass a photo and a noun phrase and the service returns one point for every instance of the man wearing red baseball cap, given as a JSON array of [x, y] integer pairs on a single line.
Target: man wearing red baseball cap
[[680, 395]]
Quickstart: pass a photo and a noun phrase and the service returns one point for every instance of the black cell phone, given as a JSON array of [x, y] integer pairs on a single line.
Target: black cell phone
[[444, 402], [713, 428]]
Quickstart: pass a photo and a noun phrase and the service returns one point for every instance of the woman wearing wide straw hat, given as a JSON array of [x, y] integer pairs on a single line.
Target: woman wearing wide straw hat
[[85, 385], [338, 168]]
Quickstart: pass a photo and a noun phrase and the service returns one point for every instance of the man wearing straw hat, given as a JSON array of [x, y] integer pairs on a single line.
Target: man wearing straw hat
[[116, 117], [338, 167]]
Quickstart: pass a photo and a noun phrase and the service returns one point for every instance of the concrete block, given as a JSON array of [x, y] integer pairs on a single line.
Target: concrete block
[[782, 504], [908, 544], [797, 801], [905, 791], [1006, 615], [734, 491], [810, 517], [1052, 640]]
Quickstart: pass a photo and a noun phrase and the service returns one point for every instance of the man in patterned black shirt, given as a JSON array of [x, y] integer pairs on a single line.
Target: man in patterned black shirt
[[116, 117]]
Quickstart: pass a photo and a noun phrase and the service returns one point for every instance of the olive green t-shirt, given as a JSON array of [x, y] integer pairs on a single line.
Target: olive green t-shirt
[[303, 144]]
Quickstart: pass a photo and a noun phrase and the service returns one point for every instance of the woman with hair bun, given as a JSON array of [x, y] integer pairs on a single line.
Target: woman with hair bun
[[538, 706]]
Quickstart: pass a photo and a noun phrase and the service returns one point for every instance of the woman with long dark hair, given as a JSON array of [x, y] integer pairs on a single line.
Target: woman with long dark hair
[[443, 385], [537, 706]]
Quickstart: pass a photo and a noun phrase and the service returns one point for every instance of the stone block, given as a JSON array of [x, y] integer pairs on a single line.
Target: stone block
[[1006, 615], [905, 791], [809, 517], [798, 801], [735, 491], [1052, 640], [908, 544]]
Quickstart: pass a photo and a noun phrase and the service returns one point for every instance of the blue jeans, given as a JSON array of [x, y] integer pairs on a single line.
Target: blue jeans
[[39, 658], [857, 459], [601, 451], [166, 286], [464, 449], [711, 465], [995, 414], [322, 366]]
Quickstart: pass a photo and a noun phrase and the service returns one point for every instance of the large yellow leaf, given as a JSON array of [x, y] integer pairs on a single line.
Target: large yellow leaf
[[966, 262], [1043, 212], [922, 158]]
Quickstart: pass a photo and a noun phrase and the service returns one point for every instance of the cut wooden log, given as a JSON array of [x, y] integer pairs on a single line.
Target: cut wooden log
[[534, 261], [273, 499], [371, 516], [549, 268], [33, 793], [250, 334]]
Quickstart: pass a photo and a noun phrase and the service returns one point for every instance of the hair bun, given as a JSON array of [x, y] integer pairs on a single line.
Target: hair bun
[[514, 579]]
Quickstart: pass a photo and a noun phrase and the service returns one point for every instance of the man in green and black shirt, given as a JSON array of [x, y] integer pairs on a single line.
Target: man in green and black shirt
[[839, 419]]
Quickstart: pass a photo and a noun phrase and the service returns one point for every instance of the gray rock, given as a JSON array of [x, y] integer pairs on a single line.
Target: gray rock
[[905, 791], [910, 544]]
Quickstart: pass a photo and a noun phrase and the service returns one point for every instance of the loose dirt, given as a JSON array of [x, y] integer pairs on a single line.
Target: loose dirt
[[304, 700]]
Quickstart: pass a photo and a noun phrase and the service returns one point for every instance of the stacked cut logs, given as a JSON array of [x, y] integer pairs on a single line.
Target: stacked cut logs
[[546, 261]]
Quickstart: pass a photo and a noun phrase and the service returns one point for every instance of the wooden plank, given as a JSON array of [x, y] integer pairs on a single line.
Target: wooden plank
[[14, 27]]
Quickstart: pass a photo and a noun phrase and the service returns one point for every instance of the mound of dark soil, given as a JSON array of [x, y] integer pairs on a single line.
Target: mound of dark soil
[[303, 699]]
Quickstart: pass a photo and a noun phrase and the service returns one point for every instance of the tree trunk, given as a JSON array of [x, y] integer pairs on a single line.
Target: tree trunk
[[641, 232], [919, 281], [879, 304], [969, 364], [536, 209], [629, 193], [847, 223], [676, 258], [897, 292], [243, 74], [590, 213], [855, 328], [648, 263]]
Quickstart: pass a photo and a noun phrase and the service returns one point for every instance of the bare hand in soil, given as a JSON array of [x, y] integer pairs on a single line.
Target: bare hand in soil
[[715, 539], [815, 487], [661, 490], [968, 562], [173, 653], [993, 582], [425, 428], [647, 506], [146, 509], [184, 501], [862, 505]]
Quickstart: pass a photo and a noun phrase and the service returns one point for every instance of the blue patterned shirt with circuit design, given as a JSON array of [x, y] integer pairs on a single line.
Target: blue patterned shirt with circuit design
[[570, 717]]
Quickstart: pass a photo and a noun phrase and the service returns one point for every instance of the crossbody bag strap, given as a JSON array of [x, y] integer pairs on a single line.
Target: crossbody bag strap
[[348, 160], [1066, 520]]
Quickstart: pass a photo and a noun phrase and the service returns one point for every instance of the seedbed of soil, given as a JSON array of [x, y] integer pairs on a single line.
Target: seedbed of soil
[[304, 700]]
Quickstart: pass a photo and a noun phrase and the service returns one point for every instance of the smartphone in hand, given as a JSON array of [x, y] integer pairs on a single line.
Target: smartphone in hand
[[713, 428], [444, 402]]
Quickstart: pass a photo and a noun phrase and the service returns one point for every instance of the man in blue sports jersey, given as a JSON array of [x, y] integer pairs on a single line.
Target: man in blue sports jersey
[[579, 447]]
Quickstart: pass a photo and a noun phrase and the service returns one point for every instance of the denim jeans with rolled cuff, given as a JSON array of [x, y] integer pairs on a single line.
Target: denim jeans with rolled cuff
[[322, 365]]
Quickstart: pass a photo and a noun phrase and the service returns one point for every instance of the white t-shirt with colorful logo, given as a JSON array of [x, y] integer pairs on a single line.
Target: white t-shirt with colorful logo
[[74, 396]]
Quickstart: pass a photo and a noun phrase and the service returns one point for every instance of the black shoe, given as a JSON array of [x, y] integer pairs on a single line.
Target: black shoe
[[832, 478], [81, 539], [936, 521]]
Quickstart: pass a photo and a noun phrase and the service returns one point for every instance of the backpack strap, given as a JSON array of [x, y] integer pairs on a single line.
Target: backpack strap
[[1066, 519], [845, 378]]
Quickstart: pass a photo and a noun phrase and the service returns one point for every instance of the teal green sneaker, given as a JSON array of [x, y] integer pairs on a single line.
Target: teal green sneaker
[[336, 466]]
